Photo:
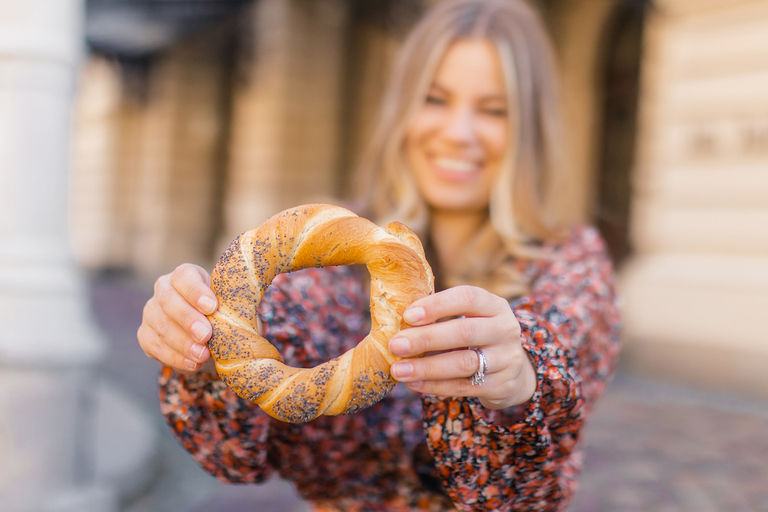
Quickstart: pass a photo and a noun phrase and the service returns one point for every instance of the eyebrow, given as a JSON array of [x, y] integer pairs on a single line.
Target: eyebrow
[[483, 99]]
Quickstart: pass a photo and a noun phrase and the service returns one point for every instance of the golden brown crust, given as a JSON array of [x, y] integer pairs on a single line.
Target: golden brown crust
[[313, 236]]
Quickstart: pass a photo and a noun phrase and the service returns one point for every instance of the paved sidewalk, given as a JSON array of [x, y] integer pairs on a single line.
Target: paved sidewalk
[[657, 448], [650, 447]]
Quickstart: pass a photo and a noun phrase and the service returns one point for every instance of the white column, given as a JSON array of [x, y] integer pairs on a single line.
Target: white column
[[47, 342]]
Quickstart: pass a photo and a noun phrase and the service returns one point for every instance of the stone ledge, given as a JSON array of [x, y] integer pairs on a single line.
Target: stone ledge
[[697, 320], [714, 369]]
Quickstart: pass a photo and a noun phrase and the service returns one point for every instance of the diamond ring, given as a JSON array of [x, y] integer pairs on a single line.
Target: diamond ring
[[479, 376]]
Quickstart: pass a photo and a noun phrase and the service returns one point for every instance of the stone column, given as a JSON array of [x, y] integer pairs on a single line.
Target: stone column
[[578, 31], [47, 343], [284, 147], [180, 155], [98, 138], [696, 292]]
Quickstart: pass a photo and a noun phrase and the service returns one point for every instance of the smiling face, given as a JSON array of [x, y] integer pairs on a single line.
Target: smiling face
[[457, 140]]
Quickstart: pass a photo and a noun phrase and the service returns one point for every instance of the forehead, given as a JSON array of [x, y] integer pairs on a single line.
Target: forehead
[[471, 65]]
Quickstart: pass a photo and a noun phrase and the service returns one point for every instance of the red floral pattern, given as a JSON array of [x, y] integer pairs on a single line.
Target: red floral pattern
[[410, 452]]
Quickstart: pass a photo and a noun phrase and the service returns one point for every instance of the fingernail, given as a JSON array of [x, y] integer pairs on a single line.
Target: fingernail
[[399, 346], [414, 385], [199, 331], [400, 370], [191, 365], [196, 350], [206, 304], [413, 315]]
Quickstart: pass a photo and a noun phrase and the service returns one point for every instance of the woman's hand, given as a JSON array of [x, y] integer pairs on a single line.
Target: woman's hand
[[174, 328], [476, 319]]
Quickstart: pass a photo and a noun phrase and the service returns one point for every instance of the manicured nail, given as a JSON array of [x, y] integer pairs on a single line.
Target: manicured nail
[[191, 365], [399, 346], [200, 330], [401, 370], [206, 304], [413, 315], [196, 350]]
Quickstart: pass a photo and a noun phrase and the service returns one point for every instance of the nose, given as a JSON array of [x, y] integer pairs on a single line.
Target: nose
[[459, 125]]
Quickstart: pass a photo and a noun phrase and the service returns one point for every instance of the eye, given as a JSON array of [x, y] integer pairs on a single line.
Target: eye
[[495, 112], [433, 99]]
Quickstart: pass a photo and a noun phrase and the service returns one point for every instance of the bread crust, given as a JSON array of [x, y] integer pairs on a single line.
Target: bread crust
[[314, 235]]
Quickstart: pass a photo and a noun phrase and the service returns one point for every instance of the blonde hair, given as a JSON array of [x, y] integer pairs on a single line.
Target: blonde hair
[[527, 204]]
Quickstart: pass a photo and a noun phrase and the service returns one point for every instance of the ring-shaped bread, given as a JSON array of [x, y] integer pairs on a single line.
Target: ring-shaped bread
[[313, 236]]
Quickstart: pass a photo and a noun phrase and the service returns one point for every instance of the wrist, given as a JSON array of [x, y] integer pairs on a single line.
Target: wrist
[[529, 378]]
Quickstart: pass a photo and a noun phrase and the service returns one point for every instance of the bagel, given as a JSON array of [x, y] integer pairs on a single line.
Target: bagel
[[315, 235]]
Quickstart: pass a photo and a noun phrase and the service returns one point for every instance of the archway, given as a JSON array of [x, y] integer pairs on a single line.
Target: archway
[[616, 158]]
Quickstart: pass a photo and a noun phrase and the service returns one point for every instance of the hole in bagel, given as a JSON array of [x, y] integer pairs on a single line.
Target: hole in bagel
[[314, 315]]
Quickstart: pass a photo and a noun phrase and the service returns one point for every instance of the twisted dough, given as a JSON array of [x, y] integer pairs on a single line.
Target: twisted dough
[[313, 236]]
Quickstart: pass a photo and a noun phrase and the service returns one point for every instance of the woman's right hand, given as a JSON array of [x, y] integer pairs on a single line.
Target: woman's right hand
[[174, 328]]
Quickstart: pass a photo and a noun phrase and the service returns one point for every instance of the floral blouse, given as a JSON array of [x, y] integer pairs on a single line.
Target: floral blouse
[[412, 452]]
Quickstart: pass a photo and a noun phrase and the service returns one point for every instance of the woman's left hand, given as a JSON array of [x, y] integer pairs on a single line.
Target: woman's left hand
[[472, 319]]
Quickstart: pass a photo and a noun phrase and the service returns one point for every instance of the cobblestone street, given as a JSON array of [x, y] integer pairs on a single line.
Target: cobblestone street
[[651, 447]]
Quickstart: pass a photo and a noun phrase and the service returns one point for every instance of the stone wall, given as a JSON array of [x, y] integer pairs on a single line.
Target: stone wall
[[697, 289], [222, 133], [149, 157], [184, 123]]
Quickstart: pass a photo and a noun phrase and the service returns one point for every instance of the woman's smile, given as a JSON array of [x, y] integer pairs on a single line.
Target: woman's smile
[[455, 169]]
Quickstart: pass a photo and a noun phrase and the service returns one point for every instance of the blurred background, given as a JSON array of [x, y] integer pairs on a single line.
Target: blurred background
[[139, 134]]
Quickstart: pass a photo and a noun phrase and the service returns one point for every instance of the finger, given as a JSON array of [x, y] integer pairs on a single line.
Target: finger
[[156, 348], [443, 366], [450, 335], [178, 310], [456, 301], [452, 387], [459, 364], [190, 343], [193, 284]]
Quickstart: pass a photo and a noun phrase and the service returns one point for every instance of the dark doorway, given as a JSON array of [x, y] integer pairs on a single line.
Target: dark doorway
[[623, 47]]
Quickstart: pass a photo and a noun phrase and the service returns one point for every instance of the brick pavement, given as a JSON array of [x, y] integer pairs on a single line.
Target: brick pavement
[[651, 447], [660, 448]]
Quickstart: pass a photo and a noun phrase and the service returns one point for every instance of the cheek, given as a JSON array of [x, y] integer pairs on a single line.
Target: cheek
[[495, 139], [422, 126]]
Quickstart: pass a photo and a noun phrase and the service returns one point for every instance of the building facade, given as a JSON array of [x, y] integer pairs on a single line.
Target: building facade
[[179, 151]]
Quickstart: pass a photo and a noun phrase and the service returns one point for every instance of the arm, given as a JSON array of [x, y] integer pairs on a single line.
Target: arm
[[526, 457]]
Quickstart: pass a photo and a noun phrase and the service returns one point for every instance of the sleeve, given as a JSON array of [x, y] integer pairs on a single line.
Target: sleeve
[[528, 458], [225, 434]]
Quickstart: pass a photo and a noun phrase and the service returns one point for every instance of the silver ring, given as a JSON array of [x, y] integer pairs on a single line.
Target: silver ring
[[479, 376]]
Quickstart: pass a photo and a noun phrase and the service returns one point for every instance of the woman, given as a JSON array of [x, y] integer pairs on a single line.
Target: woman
[[467, 153]]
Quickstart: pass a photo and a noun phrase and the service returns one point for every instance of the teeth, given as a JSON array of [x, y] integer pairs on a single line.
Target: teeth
[[454, 165]]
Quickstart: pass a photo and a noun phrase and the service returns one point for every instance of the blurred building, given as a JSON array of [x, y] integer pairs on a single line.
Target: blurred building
[[197, 120], [69, 441]]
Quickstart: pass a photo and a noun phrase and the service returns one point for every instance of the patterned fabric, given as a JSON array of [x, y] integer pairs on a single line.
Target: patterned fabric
[[411, 452]]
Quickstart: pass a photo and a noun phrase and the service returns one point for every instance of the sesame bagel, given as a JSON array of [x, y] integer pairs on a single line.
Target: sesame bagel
[[314, 235]]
